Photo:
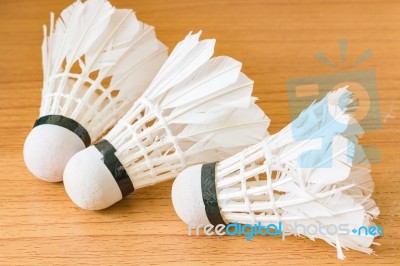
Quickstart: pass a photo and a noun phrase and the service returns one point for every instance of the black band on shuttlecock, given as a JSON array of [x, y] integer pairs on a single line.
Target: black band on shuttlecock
[[209, 192], [67, 123], [115, 167]]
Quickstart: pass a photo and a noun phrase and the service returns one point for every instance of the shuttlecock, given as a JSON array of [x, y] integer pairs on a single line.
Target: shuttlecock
[[310, 173], [97, 61], [195, 109]]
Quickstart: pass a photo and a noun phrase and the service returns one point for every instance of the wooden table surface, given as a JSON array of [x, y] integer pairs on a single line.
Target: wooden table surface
[[276, 41]]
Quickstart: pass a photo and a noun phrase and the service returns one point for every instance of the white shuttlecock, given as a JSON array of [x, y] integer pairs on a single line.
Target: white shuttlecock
[[97, 61], [306, 174], [195, 109]]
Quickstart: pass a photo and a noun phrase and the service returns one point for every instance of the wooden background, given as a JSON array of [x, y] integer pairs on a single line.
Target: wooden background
[[276, 41]]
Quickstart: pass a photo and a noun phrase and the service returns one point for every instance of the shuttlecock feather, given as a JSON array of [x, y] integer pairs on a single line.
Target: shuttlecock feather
[[97, 60], [183, 118], [312, 172]]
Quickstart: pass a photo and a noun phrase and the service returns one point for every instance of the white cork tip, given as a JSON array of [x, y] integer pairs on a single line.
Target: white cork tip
[[47, 150], [187, 197], [89, 183]]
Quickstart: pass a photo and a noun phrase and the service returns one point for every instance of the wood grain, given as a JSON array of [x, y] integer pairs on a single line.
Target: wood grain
[[276, 41]]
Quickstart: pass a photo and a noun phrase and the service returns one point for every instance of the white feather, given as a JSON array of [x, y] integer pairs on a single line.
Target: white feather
[[194, 106], [187, 57], [96, 61], [215, 105], [213, 75], [311, 172], [240, 128]]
